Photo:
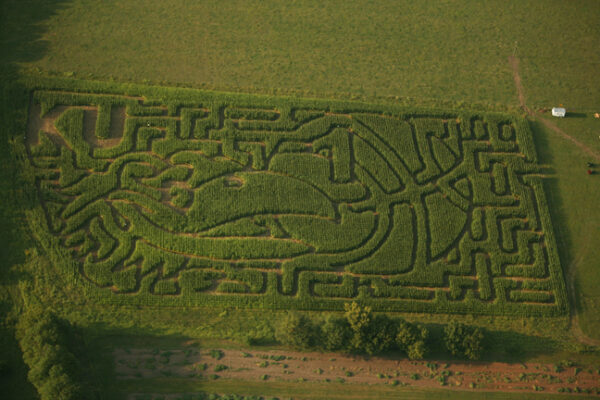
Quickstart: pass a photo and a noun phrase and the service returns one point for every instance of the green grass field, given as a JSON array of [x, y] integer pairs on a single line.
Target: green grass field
[[393, 58], [446, 50], [325, 391]]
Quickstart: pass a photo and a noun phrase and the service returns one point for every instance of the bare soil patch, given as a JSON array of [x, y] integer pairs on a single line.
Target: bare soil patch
[[89, 130], [35, 123], [256, 365], [117, 122]]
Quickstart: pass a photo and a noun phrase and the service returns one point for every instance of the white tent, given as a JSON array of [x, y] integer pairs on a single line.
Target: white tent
[[558, 112]]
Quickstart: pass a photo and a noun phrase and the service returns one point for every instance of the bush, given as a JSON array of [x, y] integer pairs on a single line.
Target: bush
[[220, 367], [463, 341], [217, 354]]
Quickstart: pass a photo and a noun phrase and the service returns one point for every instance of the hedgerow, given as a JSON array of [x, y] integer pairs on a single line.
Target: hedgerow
[[253, 201], [359, 331]]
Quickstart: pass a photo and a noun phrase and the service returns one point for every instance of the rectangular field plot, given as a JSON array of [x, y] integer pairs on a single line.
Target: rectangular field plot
[[182, 197]]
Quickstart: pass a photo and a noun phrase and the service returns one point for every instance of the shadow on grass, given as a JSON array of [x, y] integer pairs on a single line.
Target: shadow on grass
[[575, 115], [556, 206], [99, 340], [499, 346], [21, 40]]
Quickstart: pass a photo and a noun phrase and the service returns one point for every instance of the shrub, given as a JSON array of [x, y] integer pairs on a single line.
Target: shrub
[[217, 354], [220, 367]]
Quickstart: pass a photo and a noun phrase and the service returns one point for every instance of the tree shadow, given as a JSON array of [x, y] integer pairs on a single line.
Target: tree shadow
[[98, 342], [22, 40], [555, 208], [499, 346], [22, 31]]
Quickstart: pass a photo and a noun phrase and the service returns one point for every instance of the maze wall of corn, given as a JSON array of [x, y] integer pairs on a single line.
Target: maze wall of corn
[[166, 196]]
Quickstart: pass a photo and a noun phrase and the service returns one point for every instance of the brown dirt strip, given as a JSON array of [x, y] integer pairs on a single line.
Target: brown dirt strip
[[514, 63], [575, 328], [289, 366]]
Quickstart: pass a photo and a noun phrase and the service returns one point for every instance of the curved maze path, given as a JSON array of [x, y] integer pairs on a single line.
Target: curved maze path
[[216, 201]]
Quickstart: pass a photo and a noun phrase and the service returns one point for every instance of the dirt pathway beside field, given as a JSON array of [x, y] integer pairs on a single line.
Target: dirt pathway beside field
[[570, 276], [254, 365], [514, 63]]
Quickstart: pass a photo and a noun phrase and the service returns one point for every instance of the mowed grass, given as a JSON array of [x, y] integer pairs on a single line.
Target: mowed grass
[[451, 50], [573, 200], [317, 391]]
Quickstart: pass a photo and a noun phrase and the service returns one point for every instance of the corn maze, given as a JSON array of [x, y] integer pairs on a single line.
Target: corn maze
[[197, 198]]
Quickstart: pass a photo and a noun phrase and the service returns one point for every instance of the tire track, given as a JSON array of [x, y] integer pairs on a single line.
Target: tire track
[[514, 63]]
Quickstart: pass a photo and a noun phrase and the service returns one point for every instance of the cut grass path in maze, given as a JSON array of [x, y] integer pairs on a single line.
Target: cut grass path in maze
[[167, 196]]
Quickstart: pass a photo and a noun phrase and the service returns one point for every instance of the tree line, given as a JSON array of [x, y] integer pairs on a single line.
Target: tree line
[[54, 370], [362, 331]]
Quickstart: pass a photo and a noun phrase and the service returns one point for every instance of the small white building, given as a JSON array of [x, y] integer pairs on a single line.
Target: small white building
[[558, 112]]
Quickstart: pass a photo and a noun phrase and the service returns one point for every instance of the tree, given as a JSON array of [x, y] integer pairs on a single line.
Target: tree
[[381, 335], [463, 341], [412, 340], [336, 334], [53, 368], [297, 331], [359, 319], [371, 334]]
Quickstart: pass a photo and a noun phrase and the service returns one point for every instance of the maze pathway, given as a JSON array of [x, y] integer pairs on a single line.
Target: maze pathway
[[208, 198]]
